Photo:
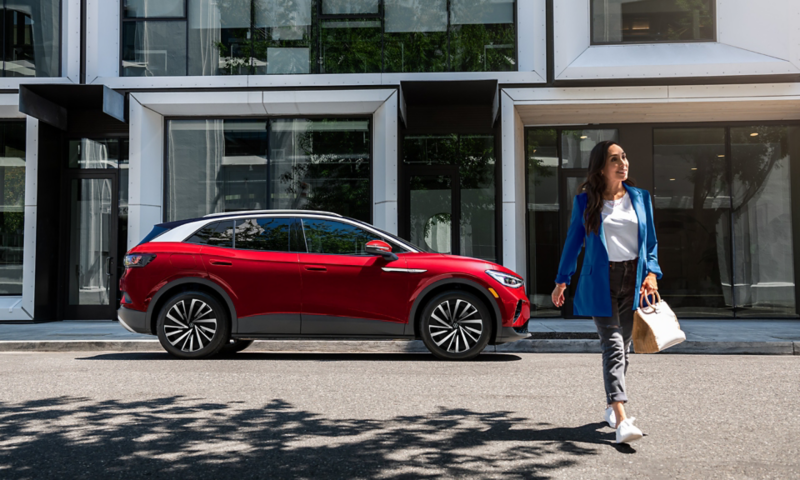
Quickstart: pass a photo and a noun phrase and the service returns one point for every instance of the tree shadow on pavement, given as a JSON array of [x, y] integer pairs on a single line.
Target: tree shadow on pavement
[[178, 436]]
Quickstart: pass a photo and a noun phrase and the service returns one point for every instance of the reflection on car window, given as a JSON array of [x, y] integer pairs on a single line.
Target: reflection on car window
[[268, 234], [217, 234], [330, 236]]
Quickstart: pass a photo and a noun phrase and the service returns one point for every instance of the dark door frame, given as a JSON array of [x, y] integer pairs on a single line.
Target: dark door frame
[[455, 199], [88, 312]]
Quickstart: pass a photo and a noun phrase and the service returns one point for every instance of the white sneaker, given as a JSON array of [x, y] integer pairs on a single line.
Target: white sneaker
[[610, 418], [627, 432]]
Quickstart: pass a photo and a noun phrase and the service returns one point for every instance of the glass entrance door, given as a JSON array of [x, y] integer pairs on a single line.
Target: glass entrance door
[[92, 265], [433, 208]]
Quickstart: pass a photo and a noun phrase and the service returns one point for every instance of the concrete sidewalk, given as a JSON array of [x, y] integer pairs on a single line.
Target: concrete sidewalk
[[754, 337]]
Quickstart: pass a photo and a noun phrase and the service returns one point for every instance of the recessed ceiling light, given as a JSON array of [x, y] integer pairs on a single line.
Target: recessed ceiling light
[[695, 168], [584, 137], [721, 156], [754, 134], [671, 179]]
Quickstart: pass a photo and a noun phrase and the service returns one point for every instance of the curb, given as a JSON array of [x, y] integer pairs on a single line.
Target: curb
[[401, 346]]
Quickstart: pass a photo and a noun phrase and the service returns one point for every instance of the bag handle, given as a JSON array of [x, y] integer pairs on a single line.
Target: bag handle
[[646, 298]]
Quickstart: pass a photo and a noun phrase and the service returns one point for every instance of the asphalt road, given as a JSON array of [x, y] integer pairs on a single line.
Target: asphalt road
[[258, 415]]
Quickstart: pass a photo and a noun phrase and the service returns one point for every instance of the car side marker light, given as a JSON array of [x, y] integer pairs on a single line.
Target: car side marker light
[[491, 290]]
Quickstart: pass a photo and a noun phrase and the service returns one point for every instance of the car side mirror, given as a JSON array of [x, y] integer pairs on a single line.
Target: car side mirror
[[379, 247]]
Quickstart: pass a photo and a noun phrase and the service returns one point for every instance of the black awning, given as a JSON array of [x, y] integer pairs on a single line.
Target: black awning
[[423, 102], [51, 103], [459, 92]]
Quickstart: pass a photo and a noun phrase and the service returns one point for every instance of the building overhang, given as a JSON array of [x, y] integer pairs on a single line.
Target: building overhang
[[449, 94], [52, 103]]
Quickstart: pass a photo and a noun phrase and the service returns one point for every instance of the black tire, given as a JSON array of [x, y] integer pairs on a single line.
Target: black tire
[[188, 329], [456, 325], [234, 346]]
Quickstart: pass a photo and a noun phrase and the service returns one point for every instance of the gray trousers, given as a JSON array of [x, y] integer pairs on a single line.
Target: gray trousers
[[615, 331]]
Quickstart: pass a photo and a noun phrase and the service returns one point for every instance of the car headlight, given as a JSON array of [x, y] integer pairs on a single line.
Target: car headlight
[[511, 281]]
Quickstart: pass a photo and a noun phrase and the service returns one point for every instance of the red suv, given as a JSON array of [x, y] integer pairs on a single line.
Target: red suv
[[219, 282]]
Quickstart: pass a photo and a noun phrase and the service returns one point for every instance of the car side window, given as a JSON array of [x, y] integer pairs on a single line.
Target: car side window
[[266, 234], [217, 234], [330, 236]]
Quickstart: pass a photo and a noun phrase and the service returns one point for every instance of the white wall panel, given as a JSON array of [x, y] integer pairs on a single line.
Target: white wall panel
[[570, 31], [513, 185], [754, 39], [384, 165], [532, 37], [769, 27], [146, 170], [102, 39]]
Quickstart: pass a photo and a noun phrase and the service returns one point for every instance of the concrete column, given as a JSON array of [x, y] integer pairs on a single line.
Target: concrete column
[[513, 172], [146, 171], [384, 165]]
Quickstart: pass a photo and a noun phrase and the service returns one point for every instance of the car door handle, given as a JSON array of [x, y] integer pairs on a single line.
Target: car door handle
[[220, 262], [316, 268]]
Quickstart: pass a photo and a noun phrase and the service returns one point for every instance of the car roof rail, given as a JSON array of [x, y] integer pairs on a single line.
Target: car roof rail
[[254, 212]]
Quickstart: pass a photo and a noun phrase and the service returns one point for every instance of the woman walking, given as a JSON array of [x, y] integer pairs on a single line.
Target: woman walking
[[615, 222]]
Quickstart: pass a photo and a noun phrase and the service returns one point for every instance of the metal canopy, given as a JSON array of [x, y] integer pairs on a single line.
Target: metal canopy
[[51, 103]]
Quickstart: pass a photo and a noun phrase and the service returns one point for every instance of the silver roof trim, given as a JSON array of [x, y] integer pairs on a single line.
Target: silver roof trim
[[263, 212]]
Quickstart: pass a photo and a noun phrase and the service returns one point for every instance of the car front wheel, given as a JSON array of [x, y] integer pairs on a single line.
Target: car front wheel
[[193, 325], [455, 325]]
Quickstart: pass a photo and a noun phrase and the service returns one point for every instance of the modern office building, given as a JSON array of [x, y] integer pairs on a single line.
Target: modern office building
[[462, 125]]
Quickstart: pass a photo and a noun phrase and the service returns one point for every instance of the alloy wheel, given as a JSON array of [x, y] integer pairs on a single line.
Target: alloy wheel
[[455, 325], [190, 328]]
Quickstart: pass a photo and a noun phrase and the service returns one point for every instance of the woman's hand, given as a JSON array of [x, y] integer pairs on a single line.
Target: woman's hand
[[558, 294], [649, 286]]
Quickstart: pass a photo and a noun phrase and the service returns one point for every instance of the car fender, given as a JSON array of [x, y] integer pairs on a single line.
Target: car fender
[[199, 280], [410, 327]]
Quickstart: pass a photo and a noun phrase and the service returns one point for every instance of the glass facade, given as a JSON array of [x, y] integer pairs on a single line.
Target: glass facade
[[469, 176], [31, 38], [228, 165], [12, 208], [723, 209], [650, 21], [264, 37]]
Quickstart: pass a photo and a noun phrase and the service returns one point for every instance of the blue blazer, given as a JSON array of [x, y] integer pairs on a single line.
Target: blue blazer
[[593, 296]]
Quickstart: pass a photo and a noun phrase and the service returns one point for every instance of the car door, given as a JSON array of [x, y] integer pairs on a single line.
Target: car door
[[345, 290], [256, 260]]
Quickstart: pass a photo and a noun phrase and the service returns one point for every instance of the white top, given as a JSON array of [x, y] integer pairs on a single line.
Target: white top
[[621, 228]]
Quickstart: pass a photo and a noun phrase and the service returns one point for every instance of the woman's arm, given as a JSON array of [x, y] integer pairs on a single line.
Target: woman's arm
[[652, 242], [572, 247]]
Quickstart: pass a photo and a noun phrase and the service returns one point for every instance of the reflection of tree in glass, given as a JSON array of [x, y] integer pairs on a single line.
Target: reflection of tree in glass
[[536, 167], [351, 47], [268, 234], [335, 177], [327, 236], [696, 13]]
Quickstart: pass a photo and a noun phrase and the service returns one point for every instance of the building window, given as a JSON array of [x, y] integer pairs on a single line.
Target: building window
[[230, 165], [31, 38], [12, 208], [652, 21], [265, 37], [723, 212]]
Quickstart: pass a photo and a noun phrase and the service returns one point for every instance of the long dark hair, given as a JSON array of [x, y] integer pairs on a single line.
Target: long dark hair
[[595, 185]]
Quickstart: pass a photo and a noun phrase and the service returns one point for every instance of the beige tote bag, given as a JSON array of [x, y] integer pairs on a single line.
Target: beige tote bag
[[655, 326]]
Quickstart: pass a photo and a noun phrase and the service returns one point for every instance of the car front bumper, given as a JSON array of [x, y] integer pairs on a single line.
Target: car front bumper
[[508, 335], [133, 320]]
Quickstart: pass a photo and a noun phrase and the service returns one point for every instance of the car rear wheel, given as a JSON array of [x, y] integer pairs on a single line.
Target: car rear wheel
[[193, 325], [455, 325], [234, 346]]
